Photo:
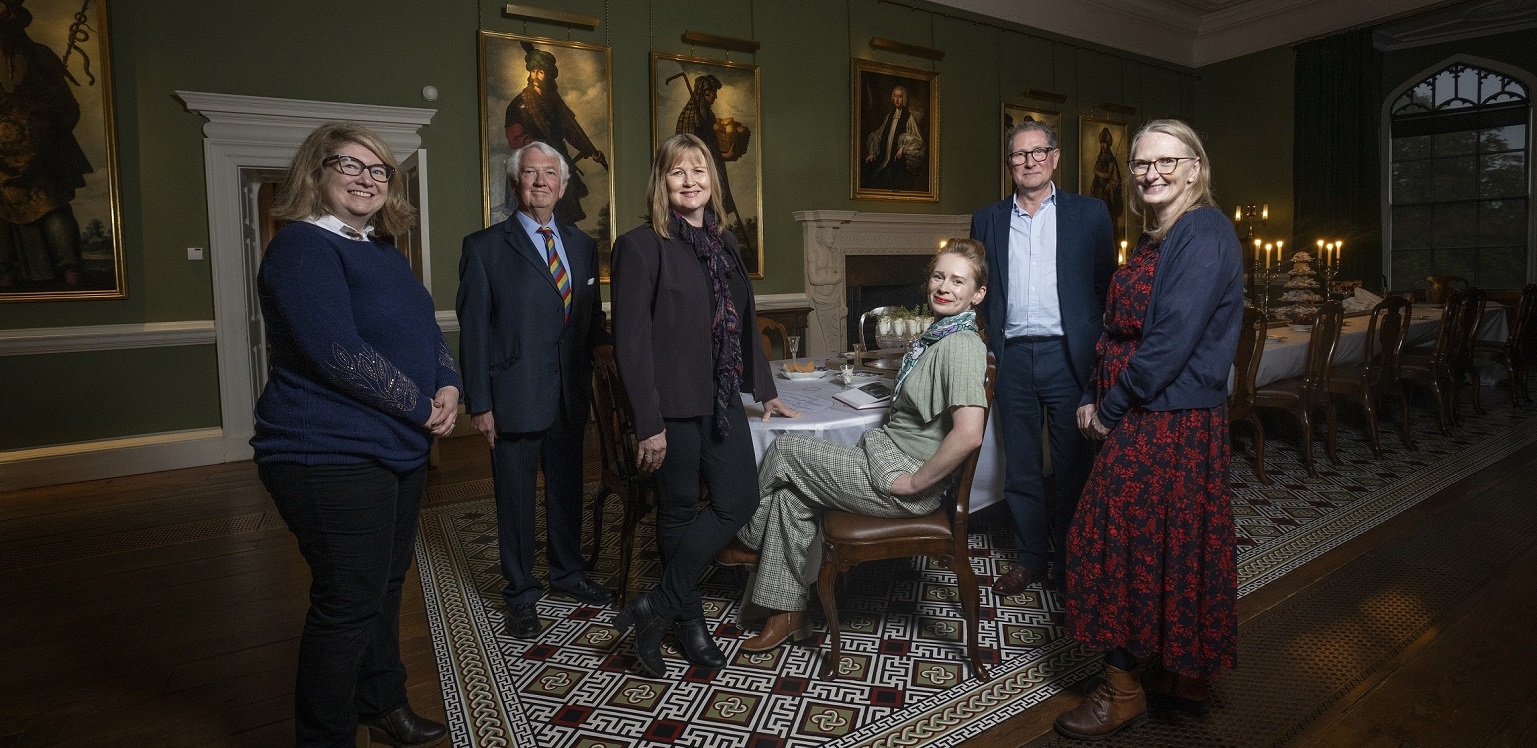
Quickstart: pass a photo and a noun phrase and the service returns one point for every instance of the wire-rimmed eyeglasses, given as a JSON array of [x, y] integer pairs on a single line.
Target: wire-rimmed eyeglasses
[[353, 167], [1165, 165], [1034, 154]]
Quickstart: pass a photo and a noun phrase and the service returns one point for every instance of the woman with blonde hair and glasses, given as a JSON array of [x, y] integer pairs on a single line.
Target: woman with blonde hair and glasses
[[686, 341], [1151, 577], [360, 382]]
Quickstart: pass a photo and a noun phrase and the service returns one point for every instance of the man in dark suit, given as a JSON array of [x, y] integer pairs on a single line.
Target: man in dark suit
[[529, 317], [1050, 255]]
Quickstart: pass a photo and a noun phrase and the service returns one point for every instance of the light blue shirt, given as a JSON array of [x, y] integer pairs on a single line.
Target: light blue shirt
[[532, 228], [1033, 306]]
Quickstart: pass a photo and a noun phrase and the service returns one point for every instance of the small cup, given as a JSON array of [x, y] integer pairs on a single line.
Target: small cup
[[848, 375]]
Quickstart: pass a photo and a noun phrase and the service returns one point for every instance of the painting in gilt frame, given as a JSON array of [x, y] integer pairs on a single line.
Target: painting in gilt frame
[[894, 138], [559, 92], [718, 102], [60, 214], [1014, 114], [1102, 169]]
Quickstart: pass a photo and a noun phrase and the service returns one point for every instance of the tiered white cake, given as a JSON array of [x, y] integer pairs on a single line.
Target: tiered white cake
[[1301, 296]]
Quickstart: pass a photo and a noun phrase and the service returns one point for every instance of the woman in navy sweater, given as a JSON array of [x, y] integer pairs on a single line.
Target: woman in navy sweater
[[1150, 567], [359, 382]]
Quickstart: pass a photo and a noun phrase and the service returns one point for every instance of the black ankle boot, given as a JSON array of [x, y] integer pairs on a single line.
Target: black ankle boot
[[404, 728], [698, 646], [642, 617]]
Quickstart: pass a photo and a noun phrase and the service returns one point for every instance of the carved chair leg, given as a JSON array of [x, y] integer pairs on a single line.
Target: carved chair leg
[[971, 603], [1259, 449], [827, 580]]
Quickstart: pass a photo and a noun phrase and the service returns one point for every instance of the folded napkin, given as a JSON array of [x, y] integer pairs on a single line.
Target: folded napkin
[[1361, 301]]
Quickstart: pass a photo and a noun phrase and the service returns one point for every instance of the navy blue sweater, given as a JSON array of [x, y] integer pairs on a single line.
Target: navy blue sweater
[[1190, 330], [356, 353]]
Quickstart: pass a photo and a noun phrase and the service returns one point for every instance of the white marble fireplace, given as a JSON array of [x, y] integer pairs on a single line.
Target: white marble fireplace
[[830, 236]]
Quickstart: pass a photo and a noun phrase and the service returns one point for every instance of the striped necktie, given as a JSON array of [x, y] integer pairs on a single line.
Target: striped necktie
[[557, 269]]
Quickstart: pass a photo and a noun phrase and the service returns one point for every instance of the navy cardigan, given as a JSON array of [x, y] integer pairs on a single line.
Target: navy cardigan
[[1190, 330]]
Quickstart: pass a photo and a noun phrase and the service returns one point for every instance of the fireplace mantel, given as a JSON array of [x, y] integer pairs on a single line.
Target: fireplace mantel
[[829, 236]]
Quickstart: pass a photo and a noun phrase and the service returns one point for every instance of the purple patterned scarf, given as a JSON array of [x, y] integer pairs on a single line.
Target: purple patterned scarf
[[725, 325]]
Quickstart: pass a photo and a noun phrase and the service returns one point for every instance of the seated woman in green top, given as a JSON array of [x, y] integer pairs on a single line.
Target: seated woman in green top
[[899, 470]]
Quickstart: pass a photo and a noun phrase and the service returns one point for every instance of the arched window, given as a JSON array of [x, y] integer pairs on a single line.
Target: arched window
[[1459, 185]]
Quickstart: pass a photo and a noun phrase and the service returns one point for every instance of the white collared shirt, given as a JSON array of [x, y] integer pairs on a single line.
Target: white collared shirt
[[336, 226], [1033, 306]]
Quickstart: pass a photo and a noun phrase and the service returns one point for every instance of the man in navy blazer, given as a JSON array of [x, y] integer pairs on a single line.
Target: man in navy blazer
[[528, 322], [1050, 255]]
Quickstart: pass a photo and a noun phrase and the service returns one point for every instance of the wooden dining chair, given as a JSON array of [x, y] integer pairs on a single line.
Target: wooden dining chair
[[1474, 302], [1300, 395], [1431, 366], [621, 476], [1240, 404], [1514, 352], [767, 330], [1377, 374], [851, 539]]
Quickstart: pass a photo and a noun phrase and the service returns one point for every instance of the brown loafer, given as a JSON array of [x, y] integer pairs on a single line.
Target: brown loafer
[[736, 553], [780, 626], [1016, 580], [1118, 703]]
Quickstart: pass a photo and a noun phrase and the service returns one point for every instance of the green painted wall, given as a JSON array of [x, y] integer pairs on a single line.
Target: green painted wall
[[1244, 116], [385, 51]]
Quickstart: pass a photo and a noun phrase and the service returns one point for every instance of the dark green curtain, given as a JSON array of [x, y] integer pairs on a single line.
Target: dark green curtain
[[1335, 161]]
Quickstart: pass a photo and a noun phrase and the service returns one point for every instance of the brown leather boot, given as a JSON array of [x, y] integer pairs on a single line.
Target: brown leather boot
[[779, 627], [736, 553], [1166, 688], [1118, 703]]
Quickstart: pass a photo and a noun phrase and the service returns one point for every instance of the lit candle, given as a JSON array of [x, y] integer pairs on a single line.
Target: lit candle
[[1279, 252], [1264, 212], [1238, 214], [1267, 255], [1121, 258], [1339, 245], [1328, 252]]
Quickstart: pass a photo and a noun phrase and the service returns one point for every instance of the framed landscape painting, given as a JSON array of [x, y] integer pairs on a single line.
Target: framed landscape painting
[[60, 216], [558, 92], [894, 149], [1014, 114], [718, 102]]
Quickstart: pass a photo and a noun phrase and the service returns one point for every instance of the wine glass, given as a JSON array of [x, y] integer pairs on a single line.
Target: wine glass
[[793, 342]]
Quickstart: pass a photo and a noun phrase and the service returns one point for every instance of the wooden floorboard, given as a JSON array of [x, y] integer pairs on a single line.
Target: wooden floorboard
[[172, 641]]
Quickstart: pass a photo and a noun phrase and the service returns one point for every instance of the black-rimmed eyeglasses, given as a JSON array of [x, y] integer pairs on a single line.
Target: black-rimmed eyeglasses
[[1165, 165], [353, 167], [1035, 154]]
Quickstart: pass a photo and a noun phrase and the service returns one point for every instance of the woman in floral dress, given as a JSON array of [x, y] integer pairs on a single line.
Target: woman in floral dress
[[1151, 578]]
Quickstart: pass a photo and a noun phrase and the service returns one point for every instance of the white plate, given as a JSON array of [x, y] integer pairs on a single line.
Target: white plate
[[797, 375]]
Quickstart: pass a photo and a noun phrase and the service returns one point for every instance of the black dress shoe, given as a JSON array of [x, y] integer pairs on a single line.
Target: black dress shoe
[[584, 591], [522, 621], [698, 646], [641, 616], [404, 728]]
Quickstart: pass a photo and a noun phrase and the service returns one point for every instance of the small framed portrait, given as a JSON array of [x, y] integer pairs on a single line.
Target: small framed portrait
[[718, 102], [1014, 114], [559, 92], [894, 145], [60, 214], [1102, 168]]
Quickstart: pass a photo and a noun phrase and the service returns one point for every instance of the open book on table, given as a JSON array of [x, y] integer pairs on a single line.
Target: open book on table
[[872, 395]]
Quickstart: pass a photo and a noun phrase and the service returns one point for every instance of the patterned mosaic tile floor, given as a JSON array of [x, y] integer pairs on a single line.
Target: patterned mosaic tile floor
[[905, 682]]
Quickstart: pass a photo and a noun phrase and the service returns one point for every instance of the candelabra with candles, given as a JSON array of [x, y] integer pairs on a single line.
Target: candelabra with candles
[[1329, 255], [1263, 279], [1247, 214]]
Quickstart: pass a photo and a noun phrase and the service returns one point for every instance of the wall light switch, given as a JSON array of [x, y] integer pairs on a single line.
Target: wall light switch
[[194, 253]]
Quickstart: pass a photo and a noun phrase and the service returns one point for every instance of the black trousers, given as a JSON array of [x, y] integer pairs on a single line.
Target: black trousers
[[356, 526], [689, 537], [515, 463]]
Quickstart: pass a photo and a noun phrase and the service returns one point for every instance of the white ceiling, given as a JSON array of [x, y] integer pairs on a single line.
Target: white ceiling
[[1194, 32]]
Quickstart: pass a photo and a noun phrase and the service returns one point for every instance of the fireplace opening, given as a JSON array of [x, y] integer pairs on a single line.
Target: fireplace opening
[[881, 280]]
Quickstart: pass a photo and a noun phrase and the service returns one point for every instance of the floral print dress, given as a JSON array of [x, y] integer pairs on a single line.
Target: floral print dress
[[1151, 563]]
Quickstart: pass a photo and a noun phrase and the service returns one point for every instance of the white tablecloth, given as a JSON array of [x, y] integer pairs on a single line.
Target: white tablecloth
[[824, 417]]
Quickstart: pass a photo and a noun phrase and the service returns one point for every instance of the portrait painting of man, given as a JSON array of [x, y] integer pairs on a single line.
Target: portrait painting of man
[[559, 93], [895, 138], [717, 102], [58, 186]]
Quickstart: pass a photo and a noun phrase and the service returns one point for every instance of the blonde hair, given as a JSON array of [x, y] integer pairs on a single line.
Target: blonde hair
[[1199, 192], [298, 196], [673, 151], [970, 250]]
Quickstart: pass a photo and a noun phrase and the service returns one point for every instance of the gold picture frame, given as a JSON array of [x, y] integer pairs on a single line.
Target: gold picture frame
[[883, 133], [518, 103], [718, 101], [1102, 150], [60, 209], [1013, 114]]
